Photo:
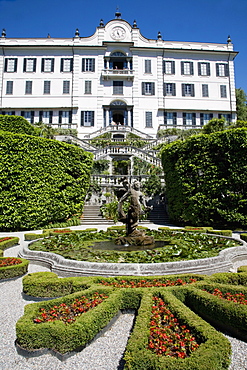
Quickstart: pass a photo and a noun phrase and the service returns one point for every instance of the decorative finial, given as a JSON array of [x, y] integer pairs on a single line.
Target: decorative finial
[[159, 37], [118, 14], [48, 36], [77, 33], [229, 39], [3, 33], [134, 24], [101, 23]]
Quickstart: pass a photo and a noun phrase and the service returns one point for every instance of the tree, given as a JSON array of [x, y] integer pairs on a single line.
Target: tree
[[214, 125], [241, 98]]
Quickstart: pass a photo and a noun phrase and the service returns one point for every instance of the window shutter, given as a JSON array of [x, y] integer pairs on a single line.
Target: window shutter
[[183, 89], [201, 119], [192, 90], [50, 116], [208, 69], [52, 65], [164, 89], [83, 65], [193, 119], [164, 66], [70, 116], [13, 113], [143, 88], [60, 113], [82, 118], [15, 69], [175, 118], [24, 65], [173, 67], [182, 68], [92, 118], [6, 65], [42, 65], [226, 70], [71, 65], [173, 89], [217, 69], [22, 113], [93, 65], [147, 66], [184, 119], [199, 69], [211, 116], [34, 65], [32, 116], [191, 68], [165, 118], [152, 88], [61, 65], [40, 115]]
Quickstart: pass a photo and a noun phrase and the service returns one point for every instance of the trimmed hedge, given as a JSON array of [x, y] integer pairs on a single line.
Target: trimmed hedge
[[9, 242], [47, 284], [200, 188], [15, 270], [213, 352], [16, 124], [42, 181], [243, 236]]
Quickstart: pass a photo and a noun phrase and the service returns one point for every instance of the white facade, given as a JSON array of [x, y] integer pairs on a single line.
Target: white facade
[[117, 76]]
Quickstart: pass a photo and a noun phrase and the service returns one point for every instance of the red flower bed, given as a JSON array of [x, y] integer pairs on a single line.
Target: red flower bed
[[9, 261], [4, 239], [62, 231], [144, 283], [68, 313], [167, 336], [237, 298]]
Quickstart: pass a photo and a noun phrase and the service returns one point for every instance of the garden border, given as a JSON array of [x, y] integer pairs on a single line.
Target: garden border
[[228, 260]]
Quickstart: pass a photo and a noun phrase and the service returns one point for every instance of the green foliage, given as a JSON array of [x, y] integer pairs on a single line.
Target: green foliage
[[206, 179], [10, 272], [41, 181], [100, 166], [214, 125], [152, 186], [121, 167], [16, 124], [9, 242], [241, 98]]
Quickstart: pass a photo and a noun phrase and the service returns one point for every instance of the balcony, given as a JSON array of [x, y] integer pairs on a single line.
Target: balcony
[[118, 73]]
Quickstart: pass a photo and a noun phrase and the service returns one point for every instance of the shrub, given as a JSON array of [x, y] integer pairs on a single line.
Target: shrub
[[16, 124], [42, 181], [7, 242], [12, 271]]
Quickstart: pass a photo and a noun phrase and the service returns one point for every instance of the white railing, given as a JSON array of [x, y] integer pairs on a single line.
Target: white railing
[[118, 72], [118, 128], [116, 180], [73, 139]]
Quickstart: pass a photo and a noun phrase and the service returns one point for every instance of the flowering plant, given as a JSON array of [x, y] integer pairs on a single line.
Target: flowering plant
[[144, 283], [5, 238], [167, 336], [68, 313], [9, 261], [237, 298]]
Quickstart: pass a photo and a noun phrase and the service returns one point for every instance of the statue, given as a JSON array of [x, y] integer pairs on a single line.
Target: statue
[[131, 219]]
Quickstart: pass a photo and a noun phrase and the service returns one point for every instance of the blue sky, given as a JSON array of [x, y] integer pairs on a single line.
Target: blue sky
[[178, 20]]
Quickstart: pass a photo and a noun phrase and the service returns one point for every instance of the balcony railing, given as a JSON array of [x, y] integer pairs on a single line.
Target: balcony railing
[[114, 73]]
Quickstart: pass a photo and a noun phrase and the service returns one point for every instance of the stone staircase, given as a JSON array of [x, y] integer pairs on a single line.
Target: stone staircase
[[92, 216], [158, 215]]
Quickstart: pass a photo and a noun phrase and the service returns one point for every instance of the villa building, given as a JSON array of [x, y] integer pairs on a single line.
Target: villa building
[[116, 77]]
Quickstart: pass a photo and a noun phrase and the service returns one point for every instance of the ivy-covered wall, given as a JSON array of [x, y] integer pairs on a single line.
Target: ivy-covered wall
[[206, 179], [41, 181]]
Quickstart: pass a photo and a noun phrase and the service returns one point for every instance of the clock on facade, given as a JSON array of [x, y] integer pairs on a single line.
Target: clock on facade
[[118, 33]]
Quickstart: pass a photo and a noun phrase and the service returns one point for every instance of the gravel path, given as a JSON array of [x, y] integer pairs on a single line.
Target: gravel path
[[104, 353]]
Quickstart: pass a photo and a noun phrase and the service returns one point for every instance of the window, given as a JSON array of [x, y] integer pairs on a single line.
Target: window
[[66, 65], [47, 65], [29, 86], [223, 93], [9, 88], [28, 115], [188, 90], [47, 87], [117, 87], [170, 118], [149, 120], [65, 117], [203, 69], [147, 66], [228, 117], [148, 88], [66, 87], [87, 118], [189, 119], [169, 67], [29, 65], [205, 91], [45, 116], [88, 87], [169, 89], [187, 68], [205, 118], [222, 70], [10, 65], [88, 65], [7, 113]]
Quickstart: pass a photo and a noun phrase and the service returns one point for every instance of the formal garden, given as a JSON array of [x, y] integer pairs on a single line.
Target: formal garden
[[178, 317]]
